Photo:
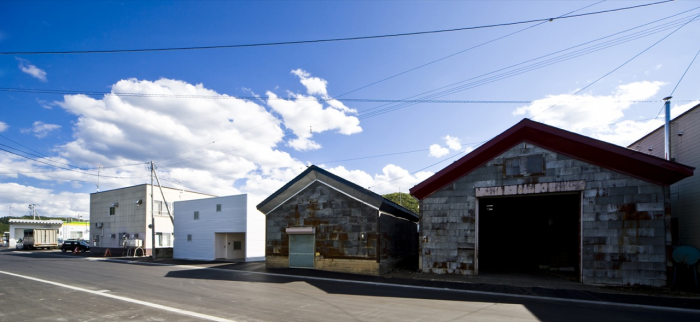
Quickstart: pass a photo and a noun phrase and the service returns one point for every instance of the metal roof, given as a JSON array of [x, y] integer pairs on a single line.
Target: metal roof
[[314, 173], [603, 154], [31, 221]]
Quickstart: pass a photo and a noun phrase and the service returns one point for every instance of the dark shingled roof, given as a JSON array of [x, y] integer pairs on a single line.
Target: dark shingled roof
[[636, 164], [313, 173]]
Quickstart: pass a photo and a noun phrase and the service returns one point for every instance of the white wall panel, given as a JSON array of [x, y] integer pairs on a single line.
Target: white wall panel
[[233, 218]]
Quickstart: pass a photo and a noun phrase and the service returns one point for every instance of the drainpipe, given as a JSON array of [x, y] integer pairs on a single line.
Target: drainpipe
[[667, 128]]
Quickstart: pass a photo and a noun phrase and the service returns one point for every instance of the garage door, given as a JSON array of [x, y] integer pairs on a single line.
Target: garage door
[[301, 251]]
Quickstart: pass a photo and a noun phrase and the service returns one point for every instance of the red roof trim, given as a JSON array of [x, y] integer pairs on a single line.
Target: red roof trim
[[603, 154]]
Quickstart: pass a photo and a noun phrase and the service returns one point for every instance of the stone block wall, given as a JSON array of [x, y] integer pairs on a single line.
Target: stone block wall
[[339, 221], [624, 220]]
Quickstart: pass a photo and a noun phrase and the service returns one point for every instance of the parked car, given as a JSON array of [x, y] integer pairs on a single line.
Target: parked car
[[70, 245], [20, 244]]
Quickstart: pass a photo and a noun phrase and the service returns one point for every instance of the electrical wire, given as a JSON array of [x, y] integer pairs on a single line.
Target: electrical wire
[[62, 168], [421, 169], [460, 52], [674, 89], [618, 67], [381, 109], [686, 71], [326, 40]]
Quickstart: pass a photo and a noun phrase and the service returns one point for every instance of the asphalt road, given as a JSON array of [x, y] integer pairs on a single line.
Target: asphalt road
[[52, 286]]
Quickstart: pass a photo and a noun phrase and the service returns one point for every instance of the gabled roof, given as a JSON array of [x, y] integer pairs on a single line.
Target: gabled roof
[[603, 154], [314, 173]]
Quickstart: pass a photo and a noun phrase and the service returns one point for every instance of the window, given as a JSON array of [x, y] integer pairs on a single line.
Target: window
[[157, 207], [112, 211], [218, 208], [196, 215], [512, 167], [189, 237], [524, 166], [164, 240], [237, 245]]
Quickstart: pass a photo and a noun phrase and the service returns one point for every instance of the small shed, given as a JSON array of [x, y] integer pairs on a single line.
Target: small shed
[[17, 227], [538, 197], [218, 228], [322, 221]]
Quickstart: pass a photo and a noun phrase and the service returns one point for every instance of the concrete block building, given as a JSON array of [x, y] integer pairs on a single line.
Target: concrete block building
[[685, 194], [125, 214], [219, 228], [322, 221], [538, 197]]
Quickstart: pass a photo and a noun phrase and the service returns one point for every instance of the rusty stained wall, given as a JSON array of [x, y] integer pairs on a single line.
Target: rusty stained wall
[[625, 221], [339, 220]]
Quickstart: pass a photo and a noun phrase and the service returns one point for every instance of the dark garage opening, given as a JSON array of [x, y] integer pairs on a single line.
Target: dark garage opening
[[529, 234]]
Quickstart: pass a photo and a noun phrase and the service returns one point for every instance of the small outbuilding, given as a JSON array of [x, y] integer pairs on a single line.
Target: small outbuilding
[[218, 228], [322, 221], [537, 197], [17, 227]]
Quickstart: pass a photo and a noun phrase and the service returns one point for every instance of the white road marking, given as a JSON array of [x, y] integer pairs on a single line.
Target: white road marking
[[443, 289], [125, 299]]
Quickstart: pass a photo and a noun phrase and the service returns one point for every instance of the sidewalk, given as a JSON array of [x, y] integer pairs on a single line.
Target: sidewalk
[[530, 285]]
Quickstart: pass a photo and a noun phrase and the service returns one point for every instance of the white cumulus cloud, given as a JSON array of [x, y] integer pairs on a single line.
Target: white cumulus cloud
[[41, 129], [598, 116], [453, 143], [588, 112], [437, 151], [52, 203], [212, 142], [3, 126], [306, 115], [36, 72], [392, 179]]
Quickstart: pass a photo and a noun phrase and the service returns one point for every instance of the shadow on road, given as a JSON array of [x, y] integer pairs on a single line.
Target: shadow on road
[[360, 285]]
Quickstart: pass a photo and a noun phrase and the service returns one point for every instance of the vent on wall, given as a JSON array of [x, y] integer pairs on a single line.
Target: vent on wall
[[98, 224]]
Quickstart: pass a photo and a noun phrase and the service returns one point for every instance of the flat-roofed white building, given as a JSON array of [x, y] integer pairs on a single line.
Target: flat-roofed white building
[[219, 228], [17, 227], [125, 213], [75, 230]]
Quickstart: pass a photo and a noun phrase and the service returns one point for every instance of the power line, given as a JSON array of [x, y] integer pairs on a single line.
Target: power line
[[674, 89], [41, 155], [421, 169], [460, 52], [527, 68], [623, 64], [325, 40], [686, 71], [62, 168], [326, 100]]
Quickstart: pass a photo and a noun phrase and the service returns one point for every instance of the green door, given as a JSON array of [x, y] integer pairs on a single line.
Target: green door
[[301, 251]]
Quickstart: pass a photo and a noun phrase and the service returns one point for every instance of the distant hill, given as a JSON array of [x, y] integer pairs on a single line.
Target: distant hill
[[403, 199]]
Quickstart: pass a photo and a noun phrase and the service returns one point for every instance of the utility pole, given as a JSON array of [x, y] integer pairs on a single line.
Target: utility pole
[[99, 166], [667, 127], [153, 220], [33, 208]]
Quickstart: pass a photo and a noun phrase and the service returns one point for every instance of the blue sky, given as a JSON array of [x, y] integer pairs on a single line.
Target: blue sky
[[260, 144]]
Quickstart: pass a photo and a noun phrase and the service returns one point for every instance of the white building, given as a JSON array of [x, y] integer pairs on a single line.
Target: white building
[[75, 230], [17, 227], [125, 213], [219, 228]]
